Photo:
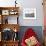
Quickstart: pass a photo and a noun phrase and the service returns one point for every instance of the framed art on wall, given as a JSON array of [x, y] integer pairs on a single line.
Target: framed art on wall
[[29, 13], [5, 12]]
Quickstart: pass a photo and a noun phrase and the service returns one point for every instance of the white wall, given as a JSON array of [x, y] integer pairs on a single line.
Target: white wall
[[7, 3], [39, 12], [27, 4]]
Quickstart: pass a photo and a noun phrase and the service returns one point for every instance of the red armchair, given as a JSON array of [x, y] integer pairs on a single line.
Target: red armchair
[[29, 33]]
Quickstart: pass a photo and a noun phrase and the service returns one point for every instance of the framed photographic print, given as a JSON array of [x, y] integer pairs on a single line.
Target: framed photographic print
[[29, 13], [5, 12], [13, 12]]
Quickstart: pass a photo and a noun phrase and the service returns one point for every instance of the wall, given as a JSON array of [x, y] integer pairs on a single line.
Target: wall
[[37, 30], [27, 4], [7, 3], [39, 12]]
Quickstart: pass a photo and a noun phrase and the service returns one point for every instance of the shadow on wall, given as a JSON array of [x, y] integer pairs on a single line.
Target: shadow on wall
[[37, 29]]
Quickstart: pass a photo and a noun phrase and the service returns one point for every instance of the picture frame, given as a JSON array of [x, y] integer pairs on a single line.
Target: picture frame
[[29, 13], [13, 12], [5, 12]]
